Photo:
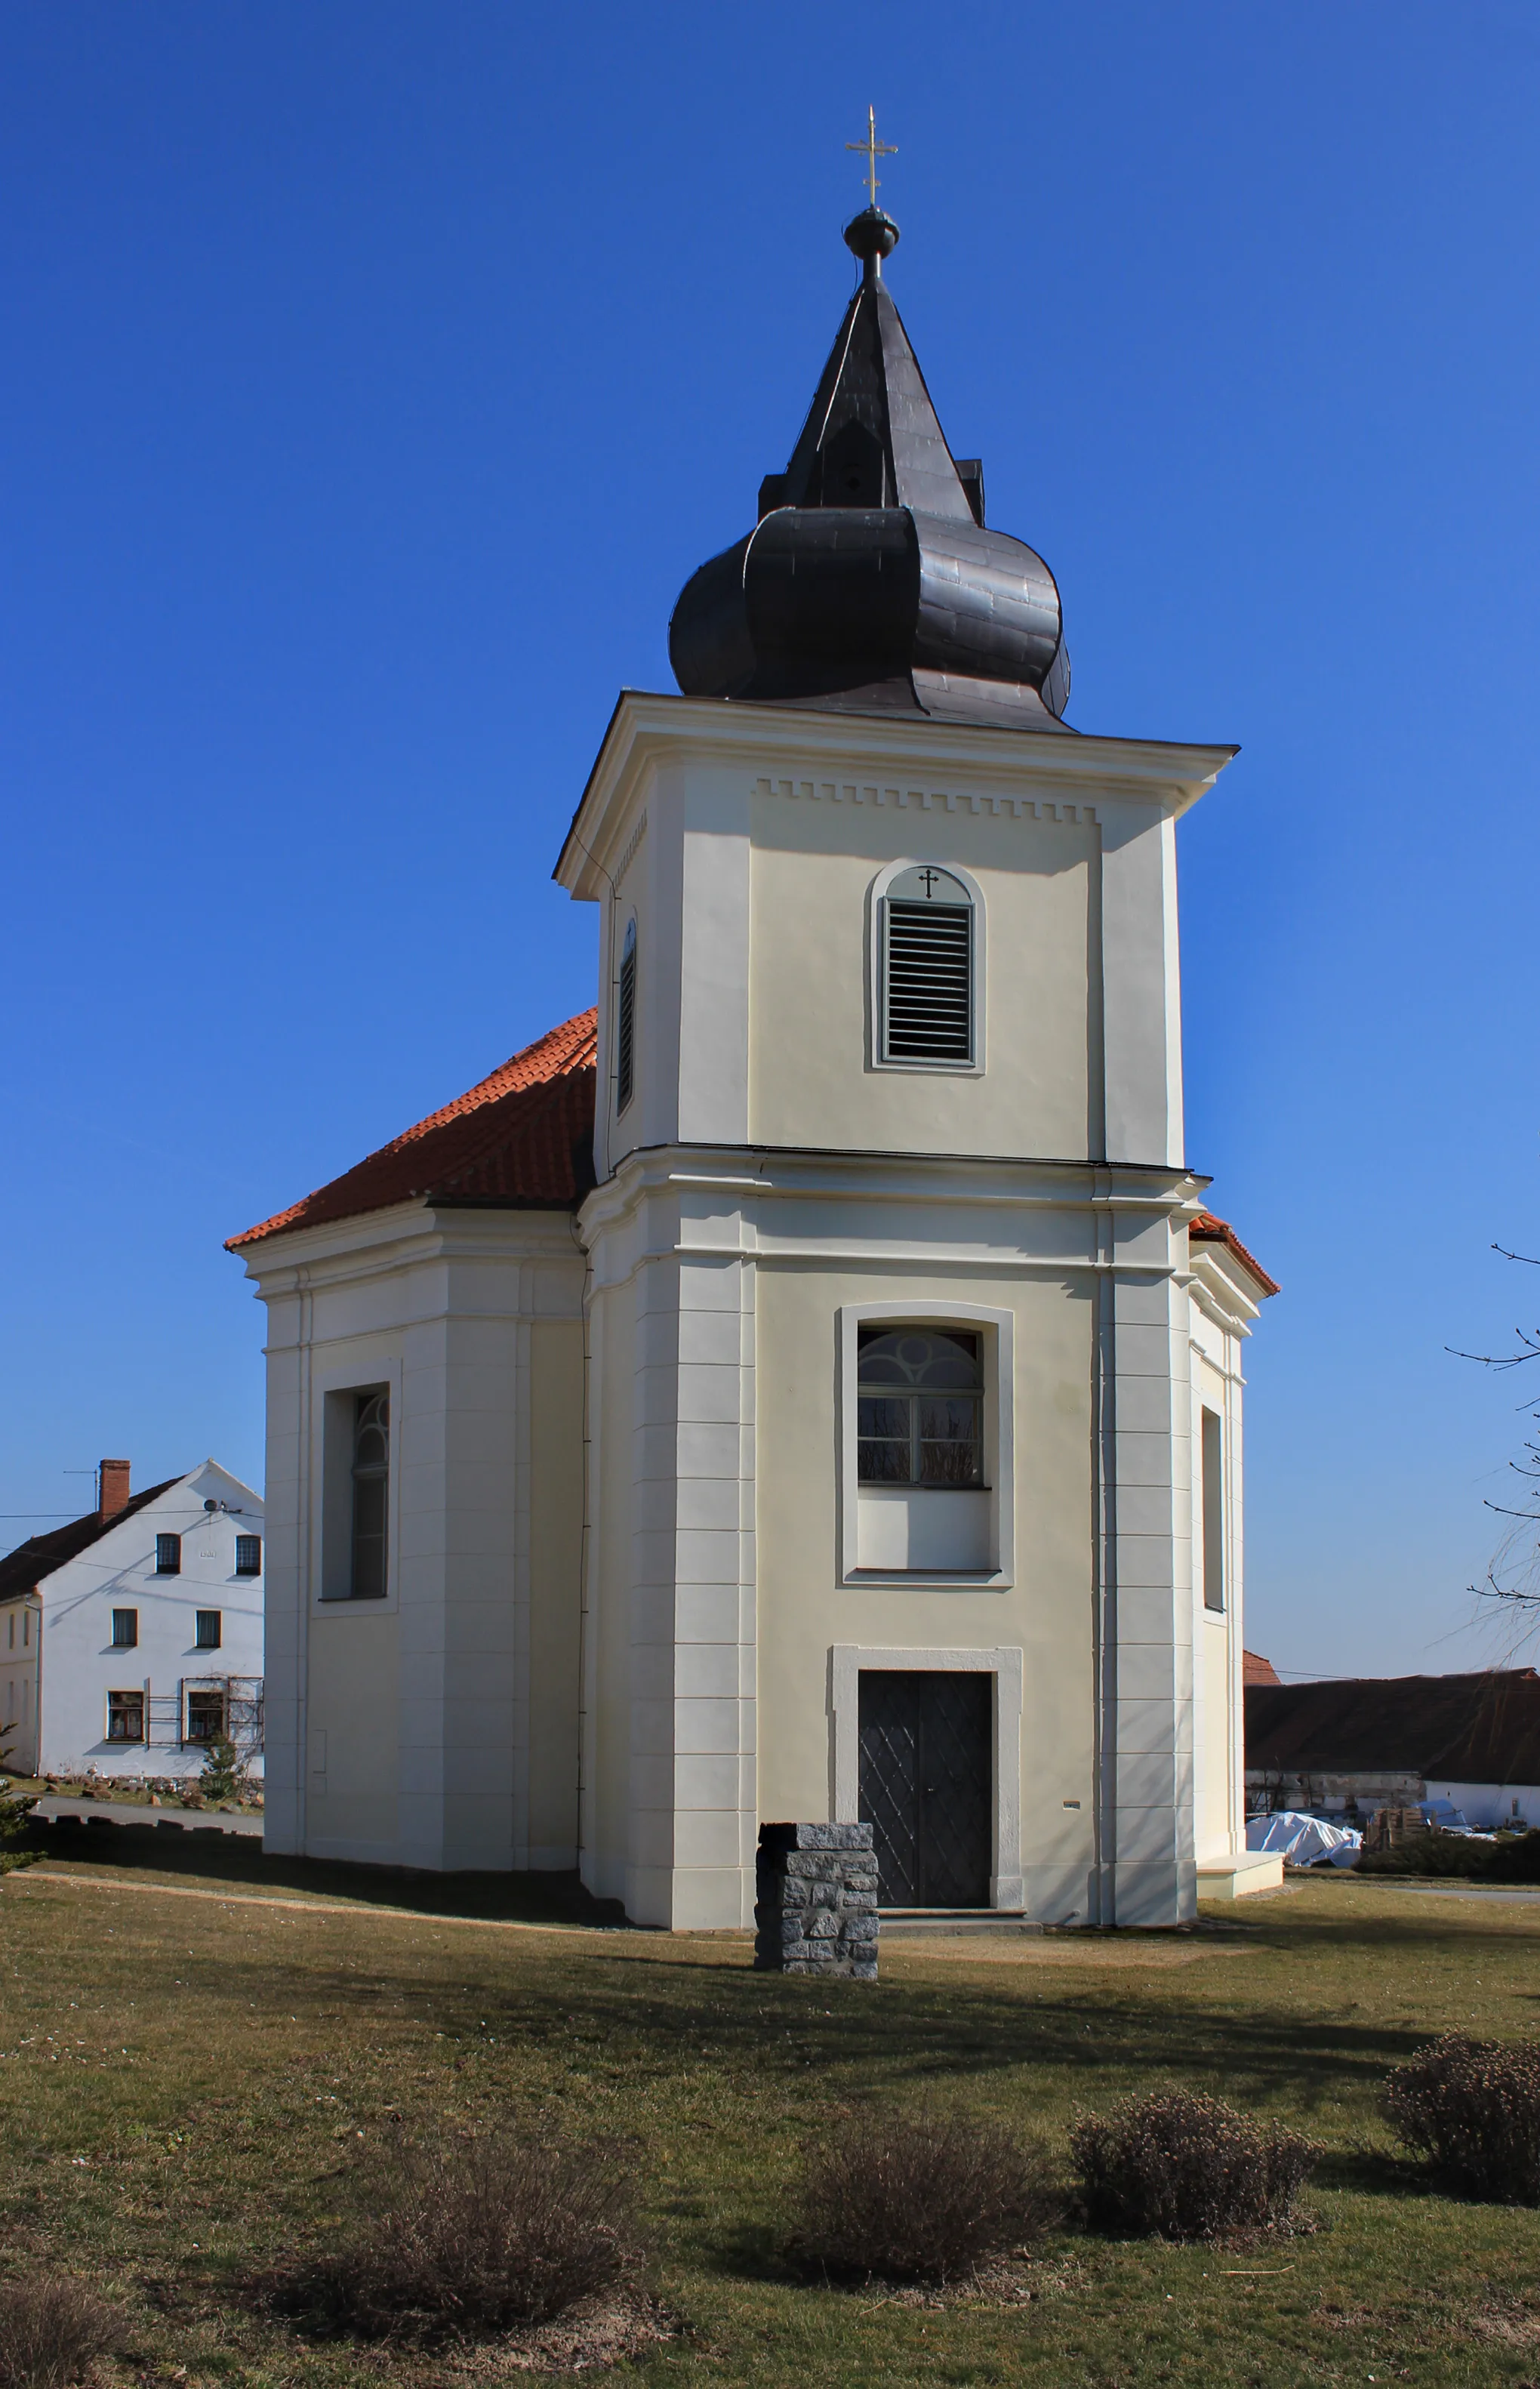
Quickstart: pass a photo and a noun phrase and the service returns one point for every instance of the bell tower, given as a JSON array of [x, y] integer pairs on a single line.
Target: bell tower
[[889, 1078]]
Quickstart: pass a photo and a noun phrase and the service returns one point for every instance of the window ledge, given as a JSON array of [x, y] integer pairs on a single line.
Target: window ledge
[[928, 1069], [969, 1580], [866, 1486]]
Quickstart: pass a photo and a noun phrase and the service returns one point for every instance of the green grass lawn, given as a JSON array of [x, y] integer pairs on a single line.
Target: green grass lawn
[[189, 2086]]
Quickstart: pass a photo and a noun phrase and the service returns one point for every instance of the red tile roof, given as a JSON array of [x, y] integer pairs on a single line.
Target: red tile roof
[[520, 1140], [1255, 1669], [1206, 1230]]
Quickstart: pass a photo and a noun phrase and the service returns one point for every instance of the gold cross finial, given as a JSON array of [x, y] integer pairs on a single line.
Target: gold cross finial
[[871, 149]]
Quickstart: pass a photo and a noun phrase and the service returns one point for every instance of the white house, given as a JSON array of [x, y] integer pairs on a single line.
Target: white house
[[809, 1386], [131, 1639]]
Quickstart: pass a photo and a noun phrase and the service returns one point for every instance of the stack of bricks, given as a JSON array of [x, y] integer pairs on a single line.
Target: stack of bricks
[[816, 1901]]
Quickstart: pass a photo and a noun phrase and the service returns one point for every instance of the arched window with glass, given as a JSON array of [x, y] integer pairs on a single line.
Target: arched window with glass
[[919, 1408]]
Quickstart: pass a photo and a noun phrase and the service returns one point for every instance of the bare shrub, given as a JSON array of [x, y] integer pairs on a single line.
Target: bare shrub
[[923, 2197], [1431, 1853], [1515, 1860], [475, 2237], [51, 2330], [1472, 2109], [1177, 2166]]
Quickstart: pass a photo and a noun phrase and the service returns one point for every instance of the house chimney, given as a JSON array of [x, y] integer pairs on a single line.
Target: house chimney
[[112, 1477]]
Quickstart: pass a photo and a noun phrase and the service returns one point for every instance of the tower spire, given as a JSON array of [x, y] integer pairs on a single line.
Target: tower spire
[[871, 582]]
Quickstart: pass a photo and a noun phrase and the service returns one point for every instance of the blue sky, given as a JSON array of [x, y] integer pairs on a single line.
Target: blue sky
[[378, 373]]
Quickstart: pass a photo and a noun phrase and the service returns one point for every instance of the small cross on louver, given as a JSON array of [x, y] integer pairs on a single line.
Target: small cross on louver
[[928, 974]]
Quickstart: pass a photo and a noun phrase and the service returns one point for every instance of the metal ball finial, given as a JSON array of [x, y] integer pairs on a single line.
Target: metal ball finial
[[871, 236]]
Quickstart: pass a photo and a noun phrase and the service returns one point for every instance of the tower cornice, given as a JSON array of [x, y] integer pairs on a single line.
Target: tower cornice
[[877, 757]]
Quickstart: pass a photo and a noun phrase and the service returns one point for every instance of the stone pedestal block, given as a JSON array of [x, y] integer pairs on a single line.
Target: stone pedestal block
[[816, 1901]]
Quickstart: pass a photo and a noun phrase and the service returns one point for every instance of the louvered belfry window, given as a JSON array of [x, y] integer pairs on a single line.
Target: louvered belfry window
[[927, 968], [625, 1023]]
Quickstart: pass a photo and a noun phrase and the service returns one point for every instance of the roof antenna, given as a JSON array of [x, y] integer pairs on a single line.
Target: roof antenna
[[873, 235]]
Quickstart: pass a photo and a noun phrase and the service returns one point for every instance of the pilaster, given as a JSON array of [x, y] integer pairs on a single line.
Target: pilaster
[[694, 1809]]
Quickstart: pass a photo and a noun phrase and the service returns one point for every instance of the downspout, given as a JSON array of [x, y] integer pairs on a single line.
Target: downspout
[[302, 1640], [583, 1546]]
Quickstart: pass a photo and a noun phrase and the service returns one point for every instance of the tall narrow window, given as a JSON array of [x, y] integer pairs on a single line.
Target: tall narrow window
[[625, 1023], [168, 1554], [920, 1401], [370, 1494], [1214, 1510], [207, 1638], [927, 975], [248, 1554], [126, 1629]]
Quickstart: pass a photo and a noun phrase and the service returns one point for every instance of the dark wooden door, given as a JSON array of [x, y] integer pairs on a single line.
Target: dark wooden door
[[926, 1785]]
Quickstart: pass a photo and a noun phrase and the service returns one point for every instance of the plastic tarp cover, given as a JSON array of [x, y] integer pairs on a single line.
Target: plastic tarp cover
[[1305, 1841]]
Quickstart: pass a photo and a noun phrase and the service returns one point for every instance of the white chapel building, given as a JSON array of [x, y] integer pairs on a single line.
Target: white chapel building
[[809, 1386]]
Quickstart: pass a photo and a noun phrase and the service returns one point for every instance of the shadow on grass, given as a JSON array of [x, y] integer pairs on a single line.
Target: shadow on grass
[[1293, 2035], [240, 1861], [1376, 2171]]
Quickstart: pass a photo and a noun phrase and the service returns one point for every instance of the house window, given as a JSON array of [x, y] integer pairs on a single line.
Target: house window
[[370, 1494], [12, 1623], [920, 1395], [625, 1023], [927, 968], [248, 1554], [126, 1629], [205, 1716], [208, 1629], [125, 1716], [168, 1554], [1213, 1510]]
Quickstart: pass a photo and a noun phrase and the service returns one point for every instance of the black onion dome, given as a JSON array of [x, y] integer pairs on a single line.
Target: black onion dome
[[871, 581]]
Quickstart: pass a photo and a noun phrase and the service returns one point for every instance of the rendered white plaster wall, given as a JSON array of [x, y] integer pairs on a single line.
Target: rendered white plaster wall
[[671, 1602], [407, 1731], [812, 1083], [1140, 985], [1148, 1725]]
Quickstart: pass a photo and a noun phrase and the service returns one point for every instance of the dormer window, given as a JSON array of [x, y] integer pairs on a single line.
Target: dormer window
[[927, 968], [625, 1023]]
